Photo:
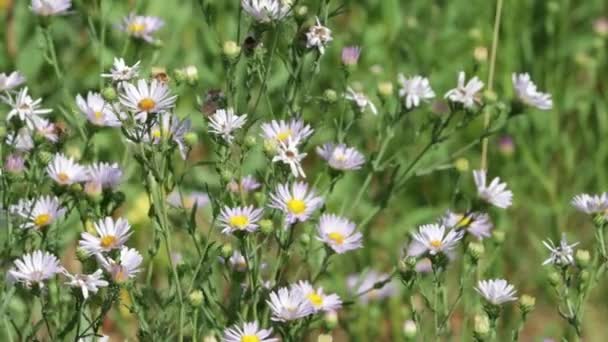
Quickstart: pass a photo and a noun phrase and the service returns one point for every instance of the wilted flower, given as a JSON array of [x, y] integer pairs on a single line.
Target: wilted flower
[[528, 94], [248, 332], [11, 81], [289, 154], [496, 291], [318, 36], [240, 219], [65, 171], [111, 234], [361, 100], [414, 90], [265, 11], [341, 157], [224, 122], [121, 72], [288, 304], [34, 268], [339, 233], [496, 193], [50, 7], [436, 238], [350, 55], [467, 94], [97, 110], [146, 98], [297, 201], [88, 283], [142, 27], [561, 254]]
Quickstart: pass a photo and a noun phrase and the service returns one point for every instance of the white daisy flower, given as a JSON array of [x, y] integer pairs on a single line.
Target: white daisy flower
[[97, 110], [50, 7], [121, 72], [288, 304], [496, 291], [224, 122], [38, 213], [240, 219], [24, 107], [265, 11], [45, 129], [125, 268], [187, 201], [141, 27], [88, 283], [467, 94], [11, 81], [245, 185], [21, 140], [248, 331], [436, 239], [477, 224], [414, 90], [591, 204], [341, 157], [317, 299], [318, 36], [364, 286], [34, 268], [65, 171], [496, 193], [288, 154], [526, 91], [237, 262], [561, 254], [111, 234], [282, 131], [147, 98], [169, 126], [297, 202], [361, 100], [339, 233], [103, 176]]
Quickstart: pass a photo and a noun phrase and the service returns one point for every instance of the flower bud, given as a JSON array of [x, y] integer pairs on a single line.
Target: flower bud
[[82, 255], [76, 187], [582, 257], [330, 95], [385, 89], [227, 175], [584, 276], [191, 139], [526, 304], [410, 329], [498, 236], [195, 298], [260, 198], [231, 49], [325, 338], [93, 190], [109, 94], [305, 239], [331, 319], [462, 164], [350, 55], [480, 54], [44, 157], [476, 250], [250, 141], [482, 327], [554, 278], [226, 251], [266, 226], [506, 145], [14, 164], [301, 12], [270, 147]]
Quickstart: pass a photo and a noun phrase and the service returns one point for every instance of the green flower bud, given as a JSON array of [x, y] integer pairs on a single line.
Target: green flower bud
[[301, 12], [330, 95], [584, 276], [76, 187], [109, 94], [482, 327], [82, 255], [196, 298], [260, 198], [410, 329], [191, 139], [305, 239], [44, 157], [462, 164], [385, 89], [582, 257], [250, 141], [498, 236], [554, 278], [270, 147], [231, 49], [526, 304], [227, 250], [331, 319], [476, 250], [266, 226], [227, 175]]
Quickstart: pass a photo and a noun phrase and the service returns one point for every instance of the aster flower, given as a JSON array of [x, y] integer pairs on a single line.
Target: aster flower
[[50, 7], [367, 287], [111, 234], [141, 27], [34, 268], [317, 299], [38, 213], [591, 204], [561, 254], [24, 107], [318, 36], [288, 304], [476, 224], [121, 72], [11, 81], [341, 157], [496, 291], [45, 129], [188, 201], [289, 154], [496, 193], [170, 127], [265, 11], [248, 332], [125, 268], [467, 94], [65, 171], [339, 233], [526, 91], [97, 111], [147, 98], [240, 219], [245, 185], [14, 164], [103, 176], [414, 90], [436, 239], [297, 201], [282, 131], [350, 55], [361, 100], [224, 122], [88, 283], [21, 140]]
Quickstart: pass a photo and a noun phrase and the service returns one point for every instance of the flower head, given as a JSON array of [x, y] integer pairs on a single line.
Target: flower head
[[38, 213], [282, 131], [496, 193], [88, 283], [591, 204], [50, 7], [97, 110], [526, 91], [361, 100], [224, 122], [350, 55], [476, 224], [467, 94], [288, 304], [561, 254], [496, 291], [147, 98], [415, 89], [65, 171], [24, 107], [14, 163], [317, 299], [245, 185], [265, 11], [21, 140], [111, 234], [289, 154], [339, 233], [104, 175], [141, 27], [436, 238], [318, 36], [237, 262], [168, 126], [11, 81], [248, 332], [240, 219], [121, 72], [46, 129], [341, 157], [125, 268], [297, 201], [34, 268]]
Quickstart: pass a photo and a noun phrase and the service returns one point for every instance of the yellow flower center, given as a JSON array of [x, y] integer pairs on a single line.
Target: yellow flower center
[[296, 206], [463, 221], [98, 116], [336, 237], [42, 220], [108, 241], [436, 243], [250, 338], [146, 104], [315, 299], [239, 221], [282, 136], [63, 177], [136, 28]]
